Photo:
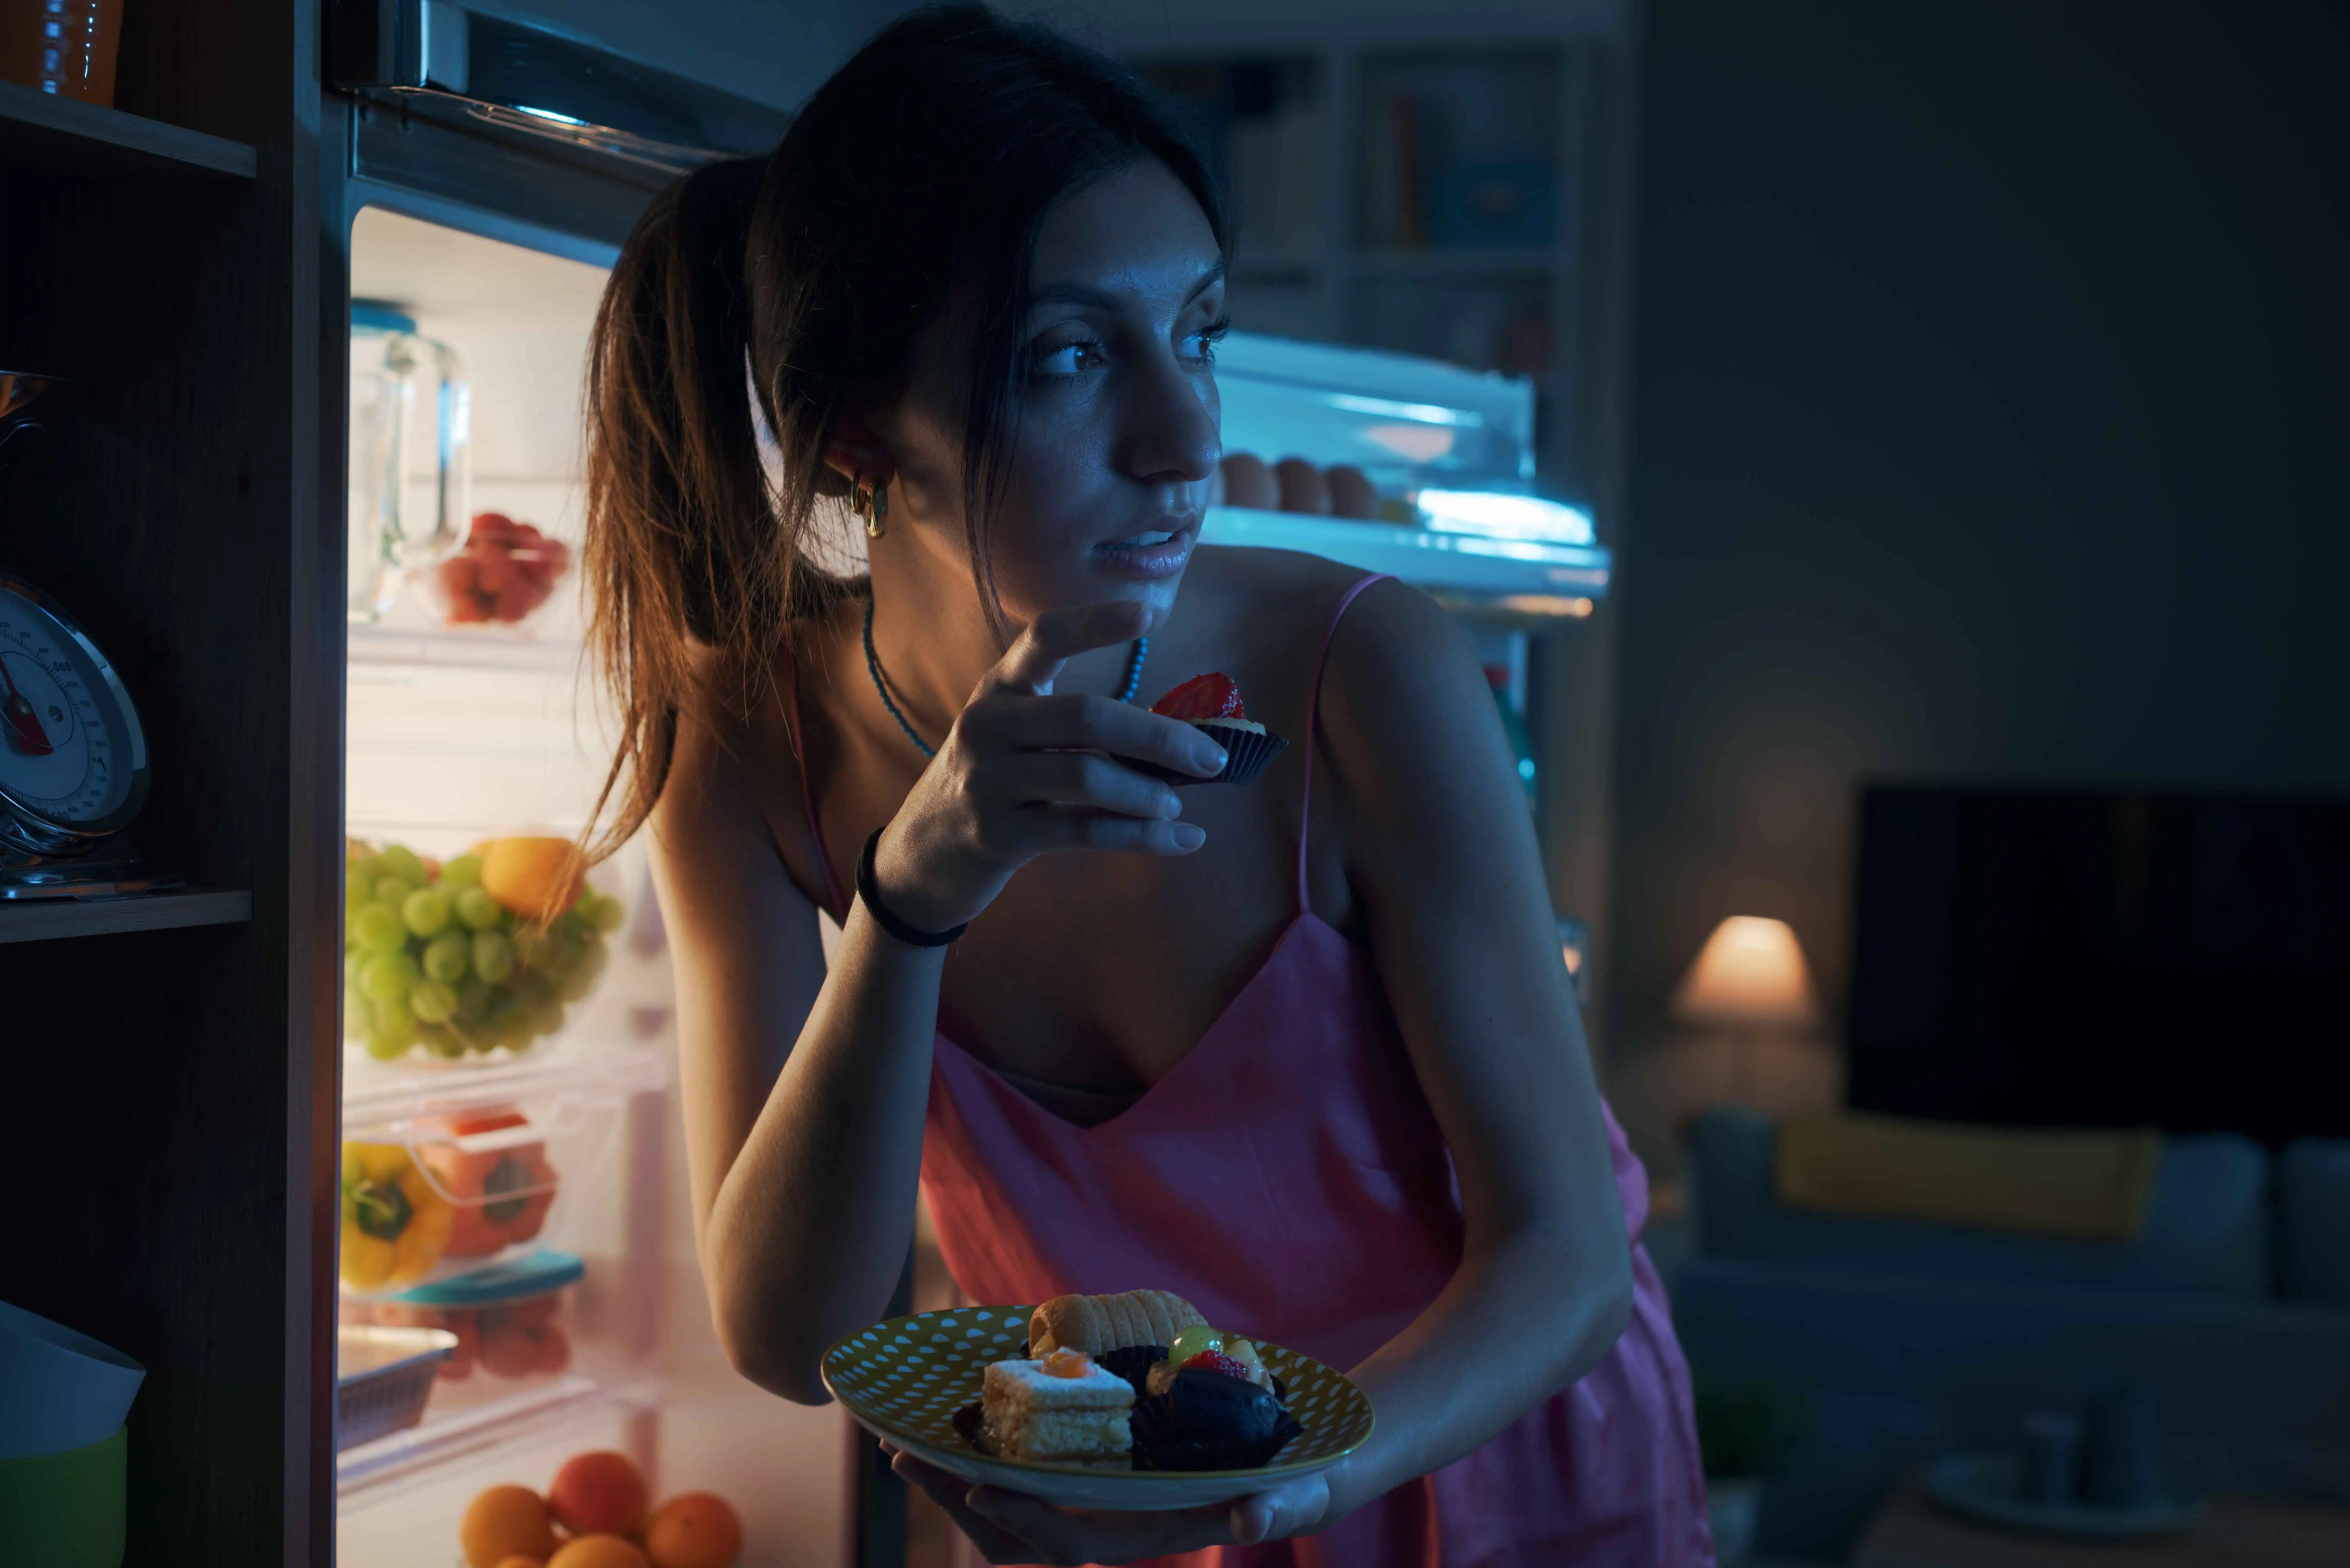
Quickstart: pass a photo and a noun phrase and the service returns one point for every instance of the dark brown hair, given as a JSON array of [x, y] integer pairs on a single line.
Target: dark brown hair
[[928, 161]]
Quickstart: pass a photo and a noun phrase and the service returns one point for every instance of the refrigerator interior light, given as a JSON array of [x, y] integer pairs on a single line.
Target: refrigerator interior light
[[1496, 515], [1388, 408]]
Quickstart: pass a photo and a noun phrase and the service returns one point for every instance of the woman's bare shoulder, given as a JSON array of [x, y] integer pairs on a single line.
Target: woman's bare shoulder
[[1266, 600], [1403, 700]]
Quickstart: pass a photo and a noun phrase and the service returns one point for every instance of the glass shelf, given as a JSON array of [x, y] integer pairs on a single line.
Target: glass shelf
[[424, 1452], [396, 646], [389, 1102], [1545, 579]]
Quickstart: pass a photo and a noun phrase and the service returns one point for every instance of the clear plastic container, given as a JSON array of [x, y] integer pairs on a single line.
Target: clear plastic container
[[435, 967], [513, 1322], [478, 1162], [506, 574]]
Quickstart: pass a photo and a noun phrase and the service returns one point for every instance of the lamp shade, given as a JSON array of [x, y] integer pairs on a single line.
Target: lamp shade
[[1751, 973]]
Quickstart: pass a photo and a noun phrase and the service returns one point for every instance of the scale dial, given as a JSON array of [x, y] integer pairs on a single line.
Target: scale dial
[[73, 758]]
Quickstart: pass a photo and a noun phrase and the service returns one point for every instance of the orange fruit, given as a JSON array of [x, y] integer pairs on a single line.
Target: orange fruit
[[597, 1552], [598, 1493], [505, 1522], [520, 1563], [537, 878], [695, 1530]]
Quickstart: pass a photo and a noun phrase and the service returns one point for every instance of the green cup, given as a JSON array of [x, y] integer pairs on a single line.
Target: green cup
[[65, 1510]]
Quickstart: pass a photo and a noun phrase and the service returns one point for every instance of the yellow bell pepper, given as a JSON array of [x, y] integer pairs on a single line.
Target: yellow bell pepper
[[395, 1226]]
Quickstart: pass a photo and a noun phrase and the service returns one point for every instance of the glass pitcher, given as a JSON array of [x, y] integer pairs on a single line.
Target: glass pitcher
[[412, 415]]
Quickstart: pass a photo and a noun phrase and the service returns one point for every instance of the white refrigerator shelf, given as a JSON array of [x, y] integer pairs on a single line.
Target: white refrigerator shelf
[[387, 1103], [477, 647], [422, 1453]]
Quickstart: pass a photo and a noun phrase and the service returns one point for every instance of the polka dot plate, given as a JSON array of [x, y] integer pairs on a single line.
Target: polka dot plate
[[904, 1379]]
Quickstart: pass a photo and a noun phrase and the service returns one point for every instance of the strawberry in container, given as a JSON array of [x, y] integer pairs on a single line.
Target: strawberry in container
[[499, 1188], [506, 571]]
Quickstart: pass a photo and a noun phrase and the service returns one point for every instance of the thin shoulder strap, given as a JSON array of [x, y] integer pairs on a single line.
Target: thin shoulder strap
[[1313, 711], [839, 905]]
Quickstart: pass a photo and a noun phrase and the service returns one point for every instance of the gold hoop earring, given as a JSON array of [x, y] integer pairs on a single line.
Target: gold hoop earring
[[875, 509]]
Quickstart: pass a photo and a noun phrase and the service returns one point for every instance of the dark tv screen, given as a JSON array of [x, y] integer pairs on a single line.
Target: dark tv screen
[[2096, 959]]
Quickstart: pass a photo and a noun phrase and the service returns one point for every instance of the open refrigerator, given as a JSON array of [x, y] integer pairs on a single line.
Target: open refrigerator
[[590, 1330]]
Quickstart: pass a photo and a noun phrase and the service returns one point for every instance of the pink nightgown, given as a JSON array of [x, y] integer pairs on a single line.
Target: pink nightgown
[[1298, 1124]]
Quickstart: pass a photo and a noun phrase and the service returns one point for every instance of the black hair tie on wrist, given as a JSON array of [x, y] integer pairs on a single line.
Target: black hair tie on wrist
[[870, 892]]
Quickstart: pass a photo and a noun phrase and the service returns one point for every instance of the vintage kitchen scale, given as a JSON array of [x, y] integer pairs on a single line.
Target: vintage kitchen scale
[[73, 756]]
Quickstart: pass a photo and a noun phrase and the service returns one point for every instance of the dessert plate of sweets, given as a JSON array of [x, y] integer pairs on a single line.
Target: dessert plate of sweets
[[1130, 1402]]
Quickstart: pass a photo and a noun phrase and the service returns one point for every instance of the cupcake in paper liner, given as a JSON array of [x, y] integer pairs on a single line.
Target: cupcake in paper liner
[[1212, 703]]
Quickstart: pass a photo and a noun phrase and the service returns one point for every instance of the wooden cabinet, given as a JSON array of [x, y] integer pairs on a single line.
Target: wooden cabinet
[[171, 1063]]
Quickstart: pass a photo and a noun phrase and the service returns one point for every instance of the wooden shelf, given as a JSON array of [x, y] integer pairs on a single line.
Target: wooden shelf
[[46, 920], [42, 130]]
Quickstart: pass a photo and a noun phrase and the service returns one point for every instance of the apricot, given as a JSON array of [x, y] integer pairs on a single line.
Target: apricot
[[598, 1493], [520, 1563], [505, 1522], [695, 1530], [537, 878], [597, 1552]]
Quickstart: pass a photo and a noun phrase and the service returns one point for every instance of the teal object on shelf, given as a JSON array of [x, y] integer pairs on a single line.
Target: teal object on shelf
[[1521, 744], [65, 1510]]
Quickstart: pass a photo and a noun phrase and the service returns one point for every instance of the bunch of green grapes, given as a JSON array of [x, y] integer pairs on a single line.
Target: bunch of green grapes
[[432, 960]]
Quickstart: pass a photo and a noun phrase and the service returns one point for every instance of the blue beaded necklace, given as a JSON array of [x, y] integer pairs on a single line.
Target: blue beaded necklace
[[881, 686]]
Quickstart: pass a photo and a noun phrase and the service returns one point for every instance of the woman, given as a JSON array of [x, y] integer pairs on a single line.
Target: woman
[[1303, 1050]]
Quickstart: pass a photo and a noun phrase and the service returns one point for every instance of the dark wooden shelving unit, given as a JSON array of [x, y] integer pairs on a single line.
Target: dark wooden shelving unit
[[176, 909], [177, 1051], [37, 127]]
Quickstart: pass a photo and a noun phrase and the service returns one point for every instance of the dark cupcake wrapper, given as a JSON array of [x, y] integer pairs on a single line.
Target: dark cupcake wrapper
[[1247, 753]]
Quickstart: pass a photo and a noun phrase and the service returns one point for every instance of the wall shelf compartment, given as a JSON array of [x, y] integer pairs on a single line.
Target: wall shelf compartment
[[66, 136], [51, 920]]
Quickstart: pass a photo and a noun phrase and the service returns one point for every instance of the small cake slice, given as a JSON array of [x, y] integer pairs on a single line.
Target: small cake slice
[[1063, 1409]]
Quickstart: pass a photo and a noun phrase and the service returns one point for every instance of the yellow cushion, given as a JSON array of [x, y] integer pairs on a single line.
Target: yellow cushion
[[2090, 1185]]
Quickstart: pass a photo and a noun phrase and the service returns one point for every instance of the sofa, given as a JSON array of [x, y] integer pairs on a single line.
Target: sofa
[[1895, 1341]]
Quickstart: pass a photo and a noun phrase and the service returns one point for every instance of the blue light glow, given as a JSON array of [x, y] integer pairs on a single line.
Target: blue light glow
[[1387, 407], [1496, 516]]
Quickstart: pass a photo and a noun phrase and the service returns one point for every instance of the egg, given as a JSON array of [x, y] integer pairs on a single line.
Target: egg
[[1249, 482], [1302, 487], [1351, 494]]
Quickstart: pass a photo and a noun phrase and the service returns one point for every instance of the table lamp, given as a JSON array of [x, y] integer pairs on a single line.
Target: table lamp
[[1749, 981]]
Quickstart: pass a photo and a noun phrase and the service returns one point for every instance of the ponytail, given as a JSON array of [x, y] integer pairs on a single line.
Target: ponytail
[[692, 572]]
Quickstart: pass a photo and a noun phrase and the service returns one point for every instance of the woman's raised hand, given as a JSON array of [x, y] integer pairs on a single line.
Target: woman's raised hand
[[1026, 770]]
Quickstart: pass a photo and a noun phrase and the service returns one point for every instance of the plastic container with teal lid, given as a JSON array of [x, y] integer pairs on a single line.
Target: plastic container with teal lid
[[513, 1321]]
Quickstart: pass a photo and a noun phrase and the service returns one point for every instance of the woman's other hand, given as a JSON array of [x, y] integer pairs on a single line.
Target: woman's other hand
[[1008, 1527], [1026, 771]]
